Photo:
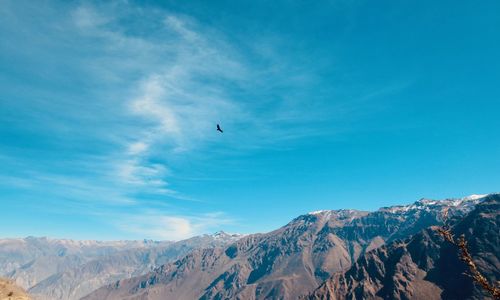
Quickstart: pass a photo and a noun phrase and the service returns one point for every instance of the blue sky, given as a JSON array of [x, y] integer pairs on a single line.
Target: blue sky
[[108, 112]]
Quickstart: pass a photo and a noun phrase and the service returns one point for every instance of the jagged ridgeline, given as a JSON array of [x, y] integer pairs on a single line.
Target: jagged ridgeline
[[392, 253]]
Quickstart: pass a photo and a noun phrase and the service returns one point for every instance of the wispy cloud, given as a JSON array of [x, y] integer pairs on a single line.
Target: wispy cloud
[[171, 227], [130, 90], [166, 109]]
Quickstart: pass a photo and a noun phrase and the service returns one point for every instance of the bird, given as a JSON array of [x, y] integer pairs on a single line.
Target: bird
[[218, 129]]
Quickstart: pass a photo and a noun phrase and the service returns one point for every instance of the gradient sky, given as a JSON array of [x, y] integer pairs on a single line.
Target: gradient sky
[[108, 112]]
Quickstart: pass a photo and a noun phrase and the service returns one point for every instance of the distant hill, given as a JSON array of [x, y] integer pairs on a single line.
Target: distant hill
[[54, 269]]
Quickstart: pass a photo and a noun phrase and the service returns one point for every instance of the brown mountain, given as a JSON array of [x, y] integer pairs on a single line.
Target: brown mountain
[[10, 291], [425, 266], [287, 262]]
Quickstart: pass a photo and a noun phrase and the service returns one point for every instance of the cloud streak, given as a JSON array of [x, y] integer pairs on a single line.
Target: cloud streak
[[165, 111], [130, 93], [176, 227]]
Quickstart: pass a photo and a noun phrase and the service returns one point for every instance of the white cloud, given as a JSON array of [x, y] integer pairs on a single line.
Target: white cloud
[[86, 17], [149, 105], [158, 97], [156, 225], [137, 173], [137, 148], [179, 26]]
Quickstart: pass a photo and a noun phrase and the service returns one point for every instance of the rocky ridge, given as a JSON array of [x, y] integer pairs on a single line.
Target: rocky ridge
[[425, 266]]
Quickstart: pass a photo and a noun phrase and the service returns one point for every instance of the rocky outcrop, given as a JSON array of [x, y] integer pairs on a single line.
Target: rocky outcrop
[[10, 291]]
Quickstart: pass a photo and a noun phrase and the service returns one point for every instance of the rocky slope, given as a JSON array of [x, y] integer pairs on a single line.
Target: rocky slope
[[287, 262], [65, 269], [424, 266], [10, 291]]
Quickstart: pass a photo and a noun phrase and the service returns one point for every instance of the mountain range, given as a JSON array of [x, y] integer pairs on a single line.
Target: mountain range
[[67, 269], [341, 254], [395, 252]]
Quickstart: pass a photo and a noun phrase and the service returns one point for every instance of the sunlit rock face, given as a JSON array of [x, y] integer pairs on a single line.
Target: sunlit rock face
[[10, 291]]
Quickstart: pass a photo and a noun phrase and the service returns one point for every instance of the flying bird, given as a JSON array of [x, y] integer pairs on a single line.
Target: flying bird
[[218, 128]]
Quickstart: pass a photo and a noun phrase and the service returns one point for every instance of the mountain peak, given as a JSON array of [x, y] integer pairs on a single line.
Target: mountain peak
[[225, 235], [475, 196], [466, 203], [318, 212], [335, 213]]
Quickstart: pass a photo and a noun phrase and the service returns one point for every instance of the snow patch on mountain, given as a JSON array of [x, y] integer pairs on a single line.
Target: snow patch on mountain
[[474, 197], [465, 203], [318, 212], [222, 235]]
